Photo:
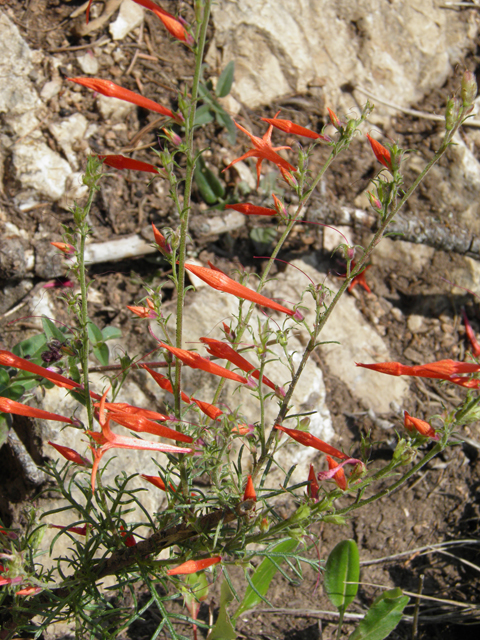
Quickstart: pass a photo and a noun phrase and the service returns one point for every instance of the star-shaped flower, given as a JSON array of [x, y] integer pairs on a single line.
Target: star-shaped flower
[[263, 150]]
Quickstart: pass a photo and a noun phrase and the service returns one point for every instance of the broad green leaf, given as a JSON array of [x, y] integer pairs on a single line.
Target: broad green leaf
[[225, 80], [210, 187], [51, 330], [203, 115], [4, 378], [15, 391], [102, 354], [263, 576], [223, 628], [382, 617], [94, 333], [31, 346], [342, 569], [111, 333]]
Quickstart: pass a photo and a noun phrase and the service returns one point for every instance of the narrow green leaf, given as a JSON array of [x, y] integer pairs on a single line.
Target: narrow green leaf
[[51, 330], [342, 568], [4, 378], [223, 628], [203, 115], [210, 187], [94, 333], [102, 354], [382, 617], [225, 80], [15, 391], [263, 576], [31, 346]]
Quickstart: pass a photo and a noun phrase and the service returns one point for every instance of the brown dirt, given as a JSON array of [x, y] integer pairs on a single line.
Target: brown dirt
[[443, 502]]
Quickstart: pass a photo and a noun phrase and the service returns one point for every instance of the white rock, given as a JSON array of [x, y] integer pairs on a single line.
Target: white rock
[[398, 50], [114, 109], [129, 17], [75, 190], [38, 167], [417, 256], [51, 89], [88, 63], [332, 238], [68, 132]]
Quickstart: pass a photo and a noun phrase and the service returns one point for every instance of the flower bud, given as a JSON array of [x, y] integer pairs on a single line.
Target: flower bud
[[289, 178], [174, 138], [468, 88], [452, 112], [334, 119], [279, 206], [374, 201], [264, 525]]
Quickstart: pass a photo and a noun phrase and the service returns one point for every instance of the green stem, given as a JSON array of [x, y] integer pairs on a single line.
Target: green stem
[[184, 214]]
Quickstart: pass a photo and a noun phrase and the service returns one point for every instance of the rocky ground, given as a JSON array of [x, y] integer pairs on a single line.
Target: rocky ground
[[412, 314]]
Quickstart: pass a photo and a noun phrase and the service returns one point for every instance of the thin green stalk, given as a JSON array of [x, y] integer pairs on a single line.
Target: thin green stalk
[[184, 214]]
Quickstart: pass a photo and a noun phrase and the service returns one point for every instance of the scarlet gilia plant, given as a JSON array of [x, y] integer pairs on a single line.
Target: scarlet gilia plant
[[214, 451]]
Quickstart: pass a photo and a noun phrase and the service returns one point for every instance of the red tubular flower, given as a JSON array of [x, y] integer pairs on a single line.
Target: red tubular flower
[[423, 428], [121, 162], [360, 279], [382, 154], [70, 454], [163, 245], [249, 493], [142, 312], [289, 127], [19, 409], [243, 429], [471, 335], [311, 441], [173, 25], [208, 409], [339, 477], [139, 424], [220, 349], [112, 90], [163, 382], [82, 531], [442, 370], [157, 482], [8, 359], [219, 281], [252, 209], [128, 538], [334, 119], [64, 247], [313, 487], [192, 566], [390, 368], [28, 591], [263, 150], [195, 361], [124, 407]]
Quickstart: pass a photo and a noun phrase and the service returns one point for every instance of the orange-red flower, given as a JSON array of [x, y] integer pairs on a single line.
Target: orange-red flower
[[442, 370], [263, 150], [220, 349], [124, 407], [360, 279], [70, 454], [19, 409], [471, 335], [139, 424], [334, 119], [82, 531], [28, 591], [157, 482], [192, 566], [339, 476], [208, 409], [382, 154], [121, 162], [195, 361], [249, 493], [64, 247], [112, 90], [289, 127], [163, 245], [252, 209], [128, 538], [8, 359], [311, 441], [221, 282], [172, 25], [144, 312], [163, 382], [313, 486], [423, 428]]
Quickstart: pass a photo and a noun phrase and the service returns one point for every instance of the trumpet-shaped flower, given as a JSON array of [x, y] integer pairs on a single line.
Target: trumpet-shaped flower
[[313, 487], [82, 531], [208, 409], [163, 245], [112, 90], [251, 209], [175, 26], [311, 441], [290, 127], [64, 247], [70, 454], [339, 476], [220, 349], [441, 370], [195, 361], [144, 312], [249, 493], [423, 428], [19, 409], [263, 150], [121, 162], [221, 282], [192, 566], [140, 424], [163, 382], [382, 154]]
